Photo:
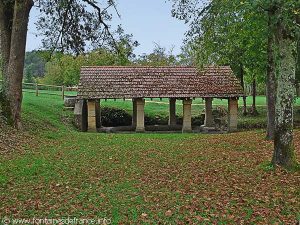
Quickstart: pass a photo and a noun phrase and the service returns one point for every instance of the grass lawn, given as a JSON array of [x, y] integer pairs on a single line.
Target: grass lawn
[[142, 178]]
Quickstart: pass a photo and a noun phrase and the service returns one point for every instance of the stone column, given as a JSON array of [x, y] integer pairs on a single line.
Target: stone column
[[208, 122], [172, 112], [140, 115], [91, 105], [232, 114], [98, 115], [80, 113], [134, 112], [187, 115]]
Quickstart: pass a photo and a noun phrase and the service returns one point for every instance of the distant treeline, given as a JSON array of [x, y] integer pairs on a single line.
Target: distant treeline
[[57, 68], [64, 69]]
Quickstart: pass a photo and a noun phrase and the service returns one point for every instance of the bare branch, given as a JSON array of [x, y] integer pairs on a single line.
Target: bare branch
[[106, 27], [115, 7]]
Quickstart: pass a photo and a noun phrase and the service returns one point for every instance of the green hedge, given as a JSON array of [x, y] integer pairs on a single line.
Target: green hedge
[[114, 117]]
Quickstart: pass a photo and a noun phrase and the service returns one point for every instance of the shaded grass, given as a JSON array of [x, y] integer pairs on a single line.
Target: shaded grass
[[144, 178]]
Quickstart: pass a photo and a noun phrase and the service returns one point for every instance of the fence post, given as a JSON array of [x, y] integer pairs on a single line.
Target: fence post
[[63, 92], [36, 89]]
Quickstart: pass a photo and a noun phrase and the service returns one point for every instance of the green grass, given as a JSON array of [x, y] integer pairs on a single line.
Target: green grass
[[142, 178], [50, 92]]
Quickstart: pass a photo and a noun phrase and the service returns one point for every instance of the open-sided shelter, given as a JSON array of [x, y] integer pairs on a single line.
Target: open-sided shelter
[[175, 83]]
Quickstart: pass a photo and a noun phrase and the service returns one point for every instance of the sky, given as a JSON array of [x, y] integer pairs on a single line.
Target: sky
[[149, 21]]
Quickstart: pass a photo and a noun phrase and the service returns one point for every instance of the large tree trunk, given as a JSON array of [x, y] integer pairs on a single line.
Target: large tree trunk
[[284, 154], [14, 58], [271, 81], [6, 18]]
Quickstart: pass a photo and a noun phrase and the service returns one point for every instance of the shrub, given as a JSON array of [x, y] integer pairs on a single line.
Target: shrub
[[220, 112], [156, 120], [113, 117], [198, 120], [250, 124]]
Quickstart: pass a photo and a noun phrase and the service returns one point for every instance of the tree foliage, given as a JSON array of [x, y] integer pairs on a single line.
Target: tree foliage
[[64, 69], [226, 33], [252, 37], [66, 25], [158, 57], [74, 25], [34, 66]]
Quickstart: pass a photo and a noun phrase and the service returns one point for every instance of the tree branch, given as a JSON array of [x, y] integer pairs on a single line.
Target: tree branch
[[204, 10], [106, 27], [115, 7]]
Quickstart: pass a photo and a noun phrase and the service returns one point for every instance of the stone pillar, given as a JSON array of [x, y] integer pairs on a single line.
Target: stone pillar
[[91, 105], [208, 122], [232, 114], [187, 115], [98, 115], [140, 115], [134, 113], [172, 112], [80, 113]]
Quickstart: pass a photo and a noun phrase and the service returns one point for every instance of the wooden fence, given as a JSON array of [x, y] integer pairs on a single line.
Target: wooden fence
[[48, 89]]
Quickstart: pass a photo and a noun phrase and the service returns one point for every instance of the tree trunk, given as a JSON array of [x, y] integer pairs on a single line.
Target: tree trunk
[[298, 63], [271, 81], [6, 18], [242, 72], [298, 69], [13, 68], [284, 154], [254, 110], [297, 90]]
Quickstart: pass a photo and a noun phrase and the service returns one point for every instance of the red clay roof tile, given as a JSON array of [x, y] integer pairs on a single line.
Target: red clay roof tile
[[151, 82]]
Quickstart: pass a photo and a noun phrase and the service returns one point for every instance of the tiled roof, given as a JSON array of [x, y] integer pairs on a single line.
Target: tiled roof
[[137, 82]]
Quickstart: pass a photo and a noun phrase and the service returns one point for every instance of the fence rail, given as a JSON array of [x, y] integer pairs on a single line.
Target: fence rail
[[48, 89]]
